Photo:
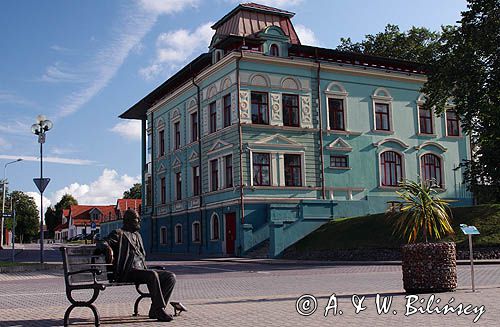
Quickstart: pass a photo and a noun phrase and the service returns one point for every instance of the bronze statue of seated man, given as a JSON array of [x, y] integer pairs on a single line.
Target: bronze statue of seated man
[[124, 248]]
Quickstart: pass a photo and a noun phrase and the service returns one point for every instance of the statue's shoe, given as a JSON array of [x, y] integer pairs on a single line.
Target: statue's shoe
[[160, 315]]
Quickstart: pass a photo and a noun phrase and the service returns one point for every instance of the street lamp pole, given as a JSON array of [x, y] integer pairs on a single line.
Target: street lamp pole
[[40, 128], [4, 187]]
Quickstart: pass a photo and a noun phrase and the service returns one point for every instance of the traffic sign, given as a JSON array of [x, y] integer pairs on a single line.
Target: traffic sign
[[41, 183], [7, 215], [93, 225]]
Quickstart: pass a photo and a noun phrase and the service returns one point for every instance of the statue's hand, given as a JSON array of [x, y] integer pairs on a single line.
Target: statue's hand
[[109, 255]]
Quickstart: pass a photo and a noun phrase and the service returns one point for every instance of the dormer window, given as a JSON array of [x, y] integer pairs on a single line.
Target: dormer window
[[274, 50]]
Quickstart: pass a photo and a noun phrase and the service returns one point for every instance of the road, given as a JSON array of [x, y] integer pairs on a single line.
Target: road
[[252, 294]]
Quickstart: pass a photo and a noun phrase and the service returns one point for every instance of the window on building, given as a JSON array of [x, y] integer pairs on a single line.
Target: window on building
[[178, 186], [274, 50], [214, 175], [163, 235], [291, 110], [215, 227], [178, 234], [177, 135], [382, 122], [213, 117], [261, 169], [196, 232], [452, 123], [228, 172], [336, 114], [260, 109], [194, 126], [227, 110], [161, 136], [425, 119], [163, 190], [431, 168], [196, 180], [339, 161], [293, 170], [391, 168]]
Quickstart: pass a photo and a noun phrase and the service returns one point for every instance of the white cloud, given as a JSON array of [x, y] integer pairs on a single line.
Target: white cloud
[[66, 161], [129, 31], [130, 129], [62, 150], [59, 48], [306, 35], [12, 98], [59, 73], [36, 197], [105, 190], [176, 47], [166, 6]]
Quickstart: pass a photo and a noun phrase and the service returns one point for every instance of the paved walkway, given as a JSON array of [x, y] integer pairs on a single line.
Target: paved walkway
[[253, 294]]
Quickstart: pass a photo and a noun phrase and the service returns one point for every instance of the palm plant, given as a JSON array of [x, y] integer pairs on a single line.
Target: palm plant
[[424, 215]]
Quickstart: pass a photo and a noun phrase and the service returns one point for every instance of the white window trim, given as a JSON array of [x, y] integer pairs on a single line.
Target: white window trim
[[277, 166], [212, 226], [384, 100], [268, 105], [210, 174], [403, 168], [164, 241], [177, 241], [223, 163], [340, 95], [173, 122], [221, 185], [420, 103], [193, 232], [281, 105], [441, 158]]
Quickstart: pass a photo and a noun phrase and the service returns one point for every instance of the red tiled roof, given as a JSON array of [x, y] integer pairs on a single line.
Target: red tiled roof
[[60, 227], [80, 214], [123, 204], [257, 6]]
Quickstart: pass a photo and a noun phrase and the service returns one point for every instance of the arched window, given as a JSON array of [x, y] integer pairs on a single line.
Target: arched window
[[196, 232], [391, 168], [430, 166], [215, 227], [178, 233], [274, 50]]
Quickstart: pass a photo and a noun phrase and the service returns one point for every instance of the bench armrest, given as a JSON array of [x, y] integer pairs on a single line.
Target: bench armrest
[[94, 272]]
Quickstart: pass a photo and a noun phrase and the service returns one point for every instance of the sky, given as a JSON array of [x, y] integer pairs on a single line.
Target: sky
[[83, 63]]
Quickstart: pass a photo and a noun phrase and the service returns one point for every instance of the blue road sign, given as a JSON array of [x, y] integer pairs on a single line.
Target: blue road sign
[[469, 230], [93, 225]]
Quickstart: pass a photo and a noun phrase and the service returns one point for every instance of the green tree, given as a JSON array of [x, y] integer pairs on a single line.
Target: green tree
[[134, 192], [466, 69], [51, 220], [418, 44], [66, 202], [27, 216]]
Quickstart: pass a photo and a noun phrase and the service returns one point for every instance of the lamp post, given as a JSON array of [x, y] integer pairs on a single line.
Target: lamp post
[[40, 128], [4, 187]]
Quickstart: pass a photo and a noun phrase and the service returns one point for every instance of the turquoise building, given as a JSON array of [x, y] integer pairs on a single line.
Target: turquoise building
[[261, 140]]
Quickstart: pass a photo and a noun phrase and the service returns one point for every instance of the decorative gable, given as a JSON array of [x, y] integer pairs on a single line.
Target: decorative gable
[[339, 145], [161, 168], [219, 145], [176, 163], [193, 156], [277, 141]]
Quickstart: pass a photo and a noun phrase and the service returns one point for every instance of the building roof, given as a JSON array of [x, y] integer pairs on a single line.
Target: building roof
[[80, 214], [60, 227], [123, 204], [253, 7]]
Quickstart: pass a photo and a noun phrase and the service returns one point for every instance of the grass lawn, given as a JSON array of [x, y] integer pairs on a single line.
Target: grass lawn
[[375, 231]]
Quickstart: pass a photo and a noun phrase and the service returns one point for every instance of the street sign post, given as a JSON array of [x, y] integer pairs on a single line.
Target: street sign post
[[93, 225], [41, 183], [469, 231]]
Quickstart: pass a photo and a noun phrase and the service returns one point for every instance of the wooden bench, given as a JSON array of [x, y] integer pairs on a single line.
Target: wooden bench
[[85, 268]]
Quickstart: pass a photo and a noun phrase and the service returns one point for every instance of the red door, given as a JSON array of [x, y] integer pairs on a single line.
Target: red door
[[230, 232]]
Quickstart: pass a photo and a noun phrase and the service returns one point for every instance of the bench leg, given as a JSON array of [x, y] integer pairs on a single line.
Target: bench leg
[[142, 295], [97, 320]]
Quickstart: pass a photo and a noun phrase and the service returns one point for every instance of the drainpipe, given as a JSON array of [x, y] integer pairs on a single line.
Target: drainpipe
[[320, 113], [198, 98], [152, 180], [242, 206]]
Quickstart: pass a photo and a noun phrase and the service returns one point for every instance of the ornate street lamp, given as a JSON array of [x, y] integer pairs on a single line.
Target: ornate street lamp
[[4, 187], [42, 126]]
